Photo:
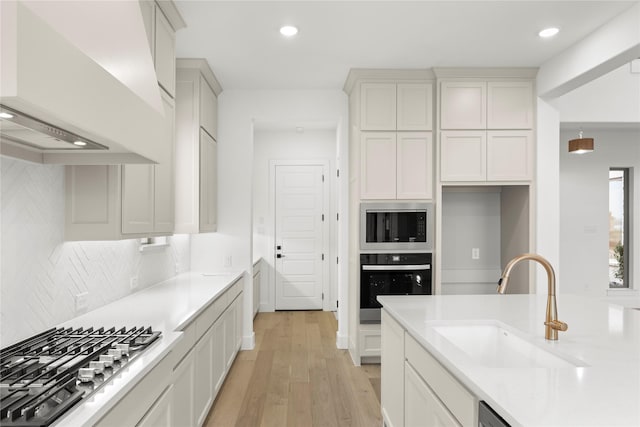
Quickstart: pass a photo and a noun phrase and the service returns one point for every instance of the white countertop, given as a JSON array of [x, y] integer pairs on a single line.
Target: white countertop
[[603, 337], [167, 307]]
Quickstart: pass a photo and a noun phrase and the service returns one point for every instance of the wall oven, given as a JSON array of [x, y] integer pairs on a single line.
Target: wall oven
[[396, 226], [391, 274]]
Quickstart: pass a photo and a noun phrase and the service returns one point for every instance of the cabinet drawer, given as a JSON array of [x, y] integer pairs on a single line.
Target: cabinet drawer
[[462, 404], [234, 291], [133, 406], [185, 344]]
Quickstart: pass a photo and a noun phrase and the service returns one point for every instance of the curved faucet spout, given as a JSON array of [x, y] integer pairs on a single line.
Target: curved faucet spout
[[552, 324]]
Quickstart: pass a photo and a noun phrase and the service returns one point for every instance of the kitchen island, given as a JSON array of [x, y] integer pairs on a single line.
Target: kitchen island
[[462, 349], [185, 309]]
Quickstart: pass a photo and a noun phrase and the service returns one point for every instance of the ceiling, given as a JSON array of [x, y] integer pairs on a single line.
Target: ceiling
[[241, 42]]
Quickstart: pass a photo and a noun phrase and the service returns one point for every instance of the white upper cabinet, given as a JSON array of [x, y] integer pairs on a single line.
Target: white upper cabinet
[[486, 105], [137, 199], [391, 106], [164, 191], [463, 105], [414, 160], [396, 165], [509, 155], [510, 105], [378, 106], [165, 53], [378, 165], [196, 147], [463, 155], [414, 106]]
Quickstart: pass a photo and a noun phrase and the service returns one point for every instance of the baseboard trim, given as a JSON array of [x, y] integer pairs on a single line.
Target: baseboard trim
[[249, 341], [342, 341]]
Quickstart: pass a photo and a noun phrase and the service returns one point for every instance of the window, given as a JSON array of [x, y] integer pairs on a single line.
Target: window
[[619, 228]]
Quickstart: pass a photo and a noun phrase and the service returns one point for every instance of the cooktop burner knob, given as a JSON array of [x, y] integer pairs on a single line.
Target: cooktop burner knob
[[98, 367], [116, 353], [124, 348], [107, 359], [86, 375]]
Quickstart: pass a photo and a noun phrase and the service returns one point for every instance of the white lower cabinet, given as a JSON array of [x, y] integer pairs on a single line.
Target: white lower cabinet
[[416, 390], [391, 371], [421, 407], [203, 384], [161, 413], [184, 391]]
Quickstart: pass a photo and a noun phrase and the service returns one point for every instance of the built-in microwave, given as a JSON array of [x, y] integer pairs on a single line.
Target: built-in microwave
[[394, 226]]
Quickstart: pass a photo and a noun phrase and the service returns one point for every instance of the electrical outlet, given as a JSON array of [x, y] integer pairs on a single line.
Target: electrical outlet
[[82, 302], [177, 267], [475, 253], [133, 282], [227, 261]]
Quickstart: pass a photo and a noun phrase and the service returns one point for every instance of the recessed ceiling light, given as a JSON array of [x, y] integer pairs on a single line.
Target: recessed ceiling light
[[548, 32], [79, 143], [288, 30], [4, 115]]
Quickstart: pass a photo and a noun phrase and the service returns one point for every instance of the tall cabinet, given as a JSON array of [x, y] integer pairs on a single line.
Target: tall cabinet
[[197, 90], [486, 151], [391, 155], [134, 200]]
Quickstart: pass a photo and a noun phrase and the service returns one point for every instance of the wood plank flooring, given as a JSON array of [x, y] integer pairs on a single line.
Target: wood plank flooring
[[297, 377]]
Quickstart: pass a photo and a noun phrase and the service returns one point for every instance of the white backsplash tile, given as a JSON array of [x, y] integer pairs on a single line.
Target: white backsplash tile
[[41, 274]]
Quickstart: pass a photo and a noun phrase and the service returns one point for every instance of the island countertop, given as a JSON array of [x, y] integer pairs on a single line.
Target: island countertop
[[602, 342]]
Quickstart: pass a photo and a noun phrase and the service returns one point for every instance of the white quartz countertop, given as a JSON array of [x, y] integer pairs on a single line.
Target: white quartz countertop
[[603, 340], [167, 307]]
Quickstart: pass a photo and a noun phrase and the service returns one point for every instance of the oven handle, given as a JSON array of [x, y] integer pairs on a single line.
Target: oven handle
[[396, 267]]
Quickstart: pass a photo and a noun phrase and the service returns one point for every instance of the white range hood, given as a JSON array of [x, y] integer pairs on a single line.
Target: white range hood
[[78, 71]]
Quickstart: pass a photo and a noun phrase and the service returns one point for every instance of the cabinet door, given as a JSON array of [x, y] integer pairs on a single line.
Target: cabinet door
[[256, 292], [161, 413], [463, 156], [208, 182], [165, 53], [164, 206], [219, 365], [509, 155], [183, 392], [414, 152], [92, 202], [378, 106], [392, 371], [378, 165], [510, 105], [203, 390], [137, 198], [208, 109], [415, 106], [230, 320], [421, 406], [463, 105], [238, 344]]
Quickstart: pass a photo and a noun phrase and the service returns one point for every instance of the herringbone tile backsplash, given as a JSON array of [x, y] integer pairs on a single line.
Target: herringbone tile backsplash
[[40, 273]]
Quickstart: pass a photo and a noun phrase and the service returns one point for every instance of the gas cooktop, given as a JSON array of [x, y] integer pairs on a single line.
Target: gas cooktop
[[47, 374]]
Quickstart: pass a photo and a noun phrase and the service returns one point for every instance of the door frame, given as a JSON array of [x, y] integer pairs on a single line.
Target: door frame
[[328, 232]]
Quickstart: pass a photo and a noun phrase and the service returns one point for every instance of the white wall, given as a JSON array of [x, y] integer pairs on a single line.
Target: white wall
[[238, 110], [614, 97], [584, 208], [269, 145], [41, 274]]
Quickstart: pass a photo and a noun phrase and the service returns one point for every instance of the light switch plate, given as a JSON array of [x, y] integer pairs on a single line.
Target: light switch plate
[[81, 302]]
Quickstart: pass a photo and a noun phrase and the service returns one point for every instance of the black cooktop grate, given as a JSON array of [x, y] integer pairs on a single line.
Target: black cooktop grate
[[45, 375]]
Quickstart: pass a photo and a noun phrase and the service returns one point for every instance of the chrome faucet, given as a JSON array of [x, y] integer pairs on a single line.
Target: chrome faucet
[[552, 324]]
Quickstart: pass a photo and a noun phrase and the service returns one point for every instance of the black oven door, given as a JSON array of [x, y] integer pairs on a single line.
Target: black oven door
[[409, 274]]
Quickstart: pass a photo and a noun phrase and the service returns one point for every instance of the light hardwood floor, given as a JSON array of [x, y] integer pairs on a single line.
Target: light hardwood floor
[[297, 377]]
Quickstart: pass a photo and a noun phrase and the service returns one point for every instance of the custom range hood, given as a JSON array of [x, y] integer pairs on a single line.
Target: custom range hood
[[77, 83]]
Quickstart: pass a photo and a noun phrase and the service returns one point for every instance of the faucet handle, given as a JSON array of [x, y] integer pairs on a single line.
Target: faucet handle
[[557, 325]]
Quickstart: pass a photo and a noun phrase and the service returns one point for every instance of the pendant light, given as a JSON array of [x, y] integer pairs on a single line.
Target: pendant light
[[581, 145]]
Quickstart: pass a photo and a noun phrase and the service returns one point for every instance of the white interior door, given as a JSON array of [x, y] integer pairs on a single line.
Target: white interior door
[[299, 234]]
